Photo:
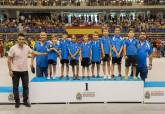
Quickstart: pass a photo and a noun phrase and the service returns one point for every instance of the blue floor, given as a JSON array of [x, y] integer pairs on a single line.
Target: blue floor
[[154, 84], [57, 79], [8, 89]]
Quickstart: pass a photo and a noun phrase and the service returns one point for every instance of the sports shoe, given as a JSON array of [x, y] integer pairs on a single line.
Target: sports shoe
[[17, 105], [61, 77], [120, 77], [112, 77], [125, 78], [67, 77], [109, 77], [48, 78], [134, 78], [53, 77], [27, 104]]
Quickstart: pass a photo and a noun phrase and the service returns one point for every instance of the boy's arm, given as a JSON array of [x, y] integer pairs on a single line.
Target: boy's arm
[[110, 53], [114, 49], [77, 52], [91, 54], [102, 50], [70, 54], [121, 49], [80, 54], [57, 51], [125, 52]]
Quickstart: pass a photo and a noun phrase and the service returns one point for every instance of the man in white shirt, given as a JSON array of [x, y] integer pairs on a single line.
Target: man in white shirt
[[18, 68]]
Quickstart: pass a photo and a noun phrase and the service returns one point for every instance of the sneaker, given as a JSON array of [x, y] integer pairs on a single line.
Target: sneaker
[[93, 76], [125, 78], [17, 105], [98, 76], [112, 77], [109, 77], [83, 77], [53, 78], [88, 77], [67, 77], [61, 77], [74, 78], [134, 78], [48, 78], [77, 77], [120, 77], [27, 104], [105, 77]]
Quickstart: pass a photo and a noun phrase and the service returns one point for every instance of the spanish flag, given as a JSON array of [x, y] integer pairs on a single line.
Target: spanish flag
[[81, 30]]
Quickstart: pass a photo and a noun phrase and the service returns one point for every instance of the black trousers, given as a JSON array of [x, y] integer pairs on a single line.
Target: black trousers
[[25, 83]]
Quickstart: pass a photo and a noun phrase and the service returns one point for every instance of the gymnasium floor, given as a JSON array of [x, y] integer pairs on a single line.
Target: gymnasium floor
[[156, 74]]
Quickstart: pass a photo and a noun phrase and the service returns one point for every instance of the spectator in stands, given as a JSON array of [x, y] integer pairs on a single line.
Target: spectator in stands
[[158, 45], [1, 49], [20, 28], [162, 49]]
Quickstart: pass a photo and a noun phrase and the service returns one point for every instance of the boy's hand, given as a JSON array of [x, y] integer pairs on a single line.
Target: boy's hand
[[51, 49], [117, 55], [59, 56], [110, 55], [74, 57], [80, 58], [125, 57]]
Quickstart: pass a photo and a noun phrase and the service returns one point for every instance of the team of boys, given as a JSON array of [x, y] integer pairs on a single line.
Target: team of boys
[[106, 48]]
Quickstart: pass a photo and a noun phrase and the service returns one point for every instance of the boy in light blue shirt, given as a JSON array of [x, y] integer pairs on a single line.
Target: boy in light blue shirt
[[97, 48], [53, 53], [74, 52]]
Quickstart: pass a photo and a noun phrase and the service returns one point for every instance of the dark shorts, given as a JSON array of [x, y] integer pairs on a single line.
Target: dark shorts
[[131, 60], [116, 60], [106, 58], [94, 62], [52, 62], [64, 61], [74, 62], [85, 62]]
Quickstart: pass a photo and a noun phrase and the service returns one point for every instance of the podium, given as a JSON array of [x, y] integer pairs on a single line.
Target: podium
[[93, 90], [154, 92], [6, 94]]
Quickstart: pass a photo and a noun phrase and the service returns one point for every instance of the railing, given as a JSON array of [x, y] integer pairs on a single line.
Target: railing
[[62, 30], [93, 8], [76, 3], [12, 36]]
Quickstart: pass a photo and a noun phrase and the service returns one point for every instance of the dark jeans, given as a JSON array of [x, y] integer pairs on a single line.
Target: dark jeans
[[143, 72], [41, 71], [25, 83]]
